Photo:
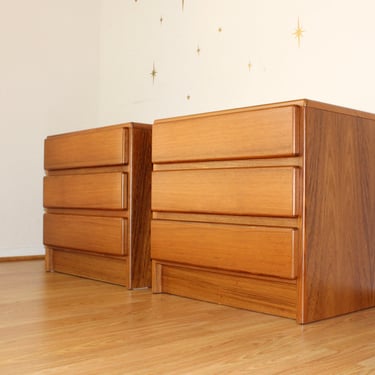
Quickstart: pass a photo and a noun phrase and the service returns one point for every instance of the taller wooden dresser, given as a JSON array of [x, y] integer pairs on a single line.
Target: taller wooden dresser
[[97, 204], [269, 208]]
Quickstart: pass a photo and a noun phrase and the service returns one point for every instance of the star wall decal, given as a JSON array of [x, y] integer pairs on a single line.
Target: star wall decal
[[153, 73], [299, 33]]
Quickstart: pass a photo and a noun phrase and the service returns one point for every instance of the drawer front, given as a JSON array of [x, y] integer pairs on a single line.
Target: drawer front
[[98, 190], [235, 135], [88, 233], [110, 269], [239, 191], [86, 149], [257, 250], [272, 296]]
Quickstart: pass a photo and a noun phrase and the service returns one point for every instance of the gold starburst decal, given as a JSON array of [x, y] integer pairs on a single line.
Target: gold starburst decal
[[299, 32], [153, 73]]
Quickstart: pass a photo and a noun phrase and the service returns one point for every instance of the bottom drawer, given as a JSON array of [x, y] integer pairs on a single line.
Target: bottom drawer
[[241, 248], [108, 269], [105, 235], [267, 295]]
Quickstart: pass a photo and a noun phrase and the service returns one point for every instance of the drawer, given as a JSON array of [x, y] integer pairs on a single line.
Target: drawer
[[257, 250], [267, 295], [88, 233], [237, 134], [86, 149], [97, 190], [238, 191], [105, 268]]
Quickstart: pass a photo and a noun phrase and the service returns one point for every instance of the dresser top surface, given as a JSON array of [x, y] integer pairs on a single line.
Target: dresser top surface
[[299, 103], [126, 125]]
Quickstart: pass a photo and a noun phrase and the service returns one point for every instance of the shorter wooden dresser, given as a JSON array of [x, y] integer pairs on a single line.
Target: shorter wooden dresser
[[97, 204], [269, 208]]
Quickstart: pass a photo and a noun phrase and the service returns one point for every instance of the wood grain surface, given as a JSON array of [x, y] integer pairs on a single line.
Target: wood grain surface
[[94, 266], [338, 274], [324, 189], [88, 233], [257, 250], [101, 147], [99, 190], [140, 208], [234, 134], [97, 200], [239, 191], [58, 324]]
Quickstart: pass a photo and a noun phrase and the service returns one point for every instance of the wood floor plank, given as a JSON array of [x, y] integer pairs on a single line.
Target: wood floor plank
[[52, 323]]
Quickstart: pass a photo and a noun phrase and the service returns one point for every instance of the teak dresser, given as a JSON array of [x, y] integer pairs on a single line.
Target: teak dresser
[[97, 204], [269, 208]]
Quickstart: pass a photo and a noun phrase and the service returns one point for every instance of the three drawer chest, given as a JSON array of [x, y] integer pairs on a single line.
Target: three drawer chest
[[97, 204], [269, 208]]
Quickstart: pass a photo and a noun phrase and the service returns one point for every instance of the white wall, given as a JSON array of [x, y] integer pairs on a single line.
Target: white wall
[[334, 62], [49, 56], [73, 64]]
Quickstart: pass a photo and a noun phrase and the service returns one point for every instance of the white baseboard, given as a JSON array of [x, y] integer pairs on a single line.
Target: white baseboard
[[20, 252]]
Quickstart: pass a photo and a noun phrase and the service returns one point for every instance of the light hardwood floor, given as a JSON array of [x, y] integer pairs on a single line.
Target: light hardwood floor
[[52, 323]]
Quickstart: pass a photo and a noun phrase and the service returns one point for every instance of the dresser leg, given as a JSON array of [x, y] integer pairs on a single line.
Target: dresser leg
[[48, 263], [156, 277]]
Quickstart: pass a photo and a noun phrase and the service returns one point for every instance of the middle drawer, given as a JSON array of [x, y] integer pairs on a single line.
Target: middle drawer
[[237, 191], [97, 190]]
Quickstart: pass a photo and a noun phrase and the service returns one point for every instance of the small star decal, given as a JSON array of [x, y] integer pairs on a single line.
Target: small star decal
[[153, 73], [299, 32]]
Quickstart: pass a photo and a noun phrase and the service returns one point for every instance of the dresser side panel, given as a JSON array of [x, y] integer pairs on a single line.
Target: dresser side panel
[[140, 201], [339, 245]]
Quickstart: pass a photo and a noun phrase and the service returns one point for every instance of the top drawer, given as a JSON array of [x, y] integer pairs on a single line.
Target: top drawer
[[238, 134], [86, 149]]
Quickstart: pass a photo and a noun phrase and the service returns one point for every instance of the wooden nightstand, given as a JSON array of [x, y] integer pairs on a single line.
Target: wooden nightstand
[[97, 204], [269, 208]]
